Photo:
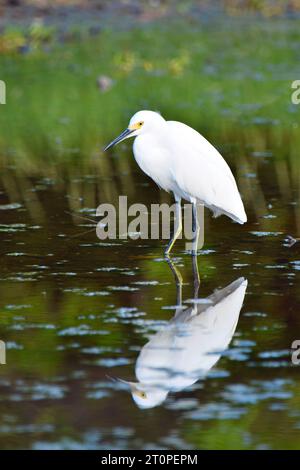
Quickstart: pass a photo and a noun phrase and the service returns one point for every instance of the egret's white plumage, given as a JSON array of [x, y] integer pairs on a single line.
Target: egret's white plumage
[[181, 160], [188, 347]]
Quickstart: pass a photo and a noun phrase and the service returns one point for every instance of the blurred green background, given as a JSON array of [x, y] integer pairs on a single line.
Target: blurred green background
[[74, 77]]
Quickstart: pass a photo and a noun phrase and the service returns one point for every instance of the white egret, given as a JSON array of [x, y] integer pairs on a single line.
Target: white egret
[[186, 349], [182, 161]]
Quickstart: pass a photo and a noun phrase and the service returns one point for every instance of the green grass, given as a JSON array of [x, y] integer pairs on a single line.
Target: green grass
[[218, 79]]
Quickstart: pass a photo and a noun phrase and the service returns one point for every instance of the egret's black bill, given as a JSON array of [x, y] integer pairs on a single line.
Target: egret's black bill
[[118, 139]]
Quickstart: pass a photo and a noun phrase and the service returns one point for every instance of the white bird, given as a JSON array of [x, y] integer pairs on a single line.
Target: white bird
[[182, 161], [188, 346]]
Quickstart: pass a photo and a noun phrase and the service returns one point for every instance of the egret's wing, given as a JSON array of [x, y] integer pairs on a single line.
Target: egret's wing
[[200, 171], [209, 333], [219, 321], [213, 326]]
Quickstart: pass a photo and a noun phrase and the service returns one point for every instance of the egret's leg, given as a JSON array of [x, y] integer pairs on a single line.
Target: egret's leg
[[178, 280], [196, 229], [177, 226], [196, 276]]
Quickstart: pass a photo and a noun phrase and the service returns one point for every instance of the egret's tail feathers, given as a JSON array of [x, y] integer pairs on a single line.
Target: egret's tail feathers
[[243, 220], [240, 219]]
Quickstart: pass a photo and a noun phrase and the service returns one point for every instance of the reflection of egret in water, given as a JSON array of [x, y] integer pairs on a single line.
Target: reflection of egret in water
[[190, 345]]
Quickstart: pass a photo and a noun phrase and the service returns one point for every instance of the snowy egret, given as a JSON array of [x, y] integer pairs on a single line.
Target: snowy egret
[[182, 161], [184, 350]]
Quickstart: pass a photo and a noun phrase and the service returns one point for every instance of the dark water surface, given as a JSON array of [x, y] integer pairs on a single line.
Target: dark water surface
[[77, 313]]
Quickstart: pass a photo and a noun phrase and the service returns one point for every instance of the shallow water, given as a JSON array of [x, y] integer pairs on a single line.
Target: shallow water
[[77, 313]]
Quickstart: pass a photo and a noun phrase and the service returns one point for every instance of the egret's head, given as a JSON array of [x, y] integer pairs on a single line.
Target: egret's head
[[145, 395], [148, 397], [141, 122]]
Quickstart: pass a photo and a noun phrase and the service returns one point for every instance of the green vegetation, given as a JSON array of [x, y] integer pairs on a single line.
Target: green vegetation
[[232, 81]]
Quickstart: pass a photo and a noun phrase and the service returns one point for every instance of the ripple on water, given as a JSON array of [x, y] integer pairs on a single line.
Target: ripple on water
[[97, 395], [123, 288], [244, 343], [81, 330], [271, 364], [88, 441], [182, 404], [274, 354], [240, 354], [128, 312], [257, 391], [146, 283], [12, 206], [17, 306], [125, 271], [219, 411], [100, 350], [64, 347], [99, 244], [204, 301], [111, 362], [111, 384], [12, 228], [27, 326], [66, 273], [255, 314], [14, 345], [296, 265], [269, 216], [262, 154], [218, 374], [36, 392], [85, 292], [26, 428], [266, 234]]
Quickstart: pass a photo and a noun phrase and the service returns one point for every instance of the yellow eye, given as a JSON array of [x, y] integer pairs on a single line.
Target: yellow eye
[[136, 125]]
